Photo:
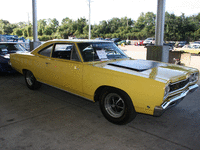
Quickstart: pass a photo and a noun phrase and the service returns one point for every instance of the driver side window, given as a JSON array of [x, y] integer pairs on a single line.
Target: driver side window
[[65, 51], [46, 51]]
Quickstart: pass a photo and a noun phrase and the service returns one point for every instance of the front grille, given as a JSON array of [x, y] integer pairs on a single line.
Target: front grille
[[179, 85]]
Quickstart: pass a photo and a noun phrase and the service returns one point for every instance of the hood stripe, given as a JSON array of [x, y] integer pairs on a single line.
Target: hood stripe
[[139, 70]]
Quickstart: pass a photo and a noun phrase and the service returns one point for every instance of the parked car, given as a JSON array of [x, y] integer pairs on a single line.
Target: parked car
[[108, 39], [99, 38], [116, 40], [195, 45], [181, 43], [122, 42], [3, 38], [6, 48], [196, 42], [171, 45], [125, 42], [100, 71], [11, 38], [149, 41], [139, 43], [21, 39], [193, 48]]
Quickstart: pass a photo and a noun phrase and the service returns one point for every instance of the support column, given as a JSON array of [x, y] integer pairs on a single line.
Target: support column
[[89, 36], [159, 52], [160, 22], [36, 42]]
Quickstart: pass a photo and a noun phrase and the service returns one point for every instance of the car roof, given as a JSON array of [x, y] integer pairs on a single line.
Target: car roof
[[46, 43], [78, 40], [62, 41]]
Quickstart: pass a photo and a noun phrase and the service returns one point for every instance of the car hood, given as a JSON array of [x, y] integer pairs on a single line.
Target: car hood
[[160, 71]]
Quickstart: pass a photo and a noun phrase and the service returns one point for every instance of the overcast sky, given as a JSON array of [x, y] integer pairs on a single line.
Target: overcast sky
[[16, 11]]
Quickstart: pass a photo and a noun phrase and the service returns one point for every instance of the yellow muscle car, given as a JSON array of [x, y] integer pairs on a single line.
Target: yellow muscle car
[[100, 71]]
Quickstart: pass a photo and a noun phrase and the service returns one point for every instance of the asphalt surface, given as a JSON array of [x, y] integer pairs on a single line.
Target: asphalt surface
[[51, 119]]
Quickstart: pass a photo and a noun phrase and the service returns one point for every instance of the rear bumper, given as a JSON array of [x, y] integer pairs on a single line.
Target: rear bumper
[[158, 110]]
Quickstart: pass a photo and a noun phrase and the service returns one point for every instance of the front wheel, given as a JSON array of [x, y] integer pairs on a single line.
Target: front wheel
[[31, 82], [117, 107]]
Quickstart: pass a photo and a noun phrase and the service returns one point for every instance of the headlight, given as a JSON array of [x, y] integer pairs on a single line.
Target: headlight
[[167, 89], [194, 77]]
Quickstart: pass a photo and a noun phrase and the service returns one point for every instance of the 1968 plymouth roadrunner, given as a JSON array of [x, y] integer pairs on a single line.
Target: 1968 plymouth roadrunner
[[100, 71]]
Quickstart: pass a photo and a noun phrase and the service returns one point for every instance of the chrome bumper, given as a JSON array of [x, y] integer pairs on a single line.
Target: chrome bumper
[[158, 110]]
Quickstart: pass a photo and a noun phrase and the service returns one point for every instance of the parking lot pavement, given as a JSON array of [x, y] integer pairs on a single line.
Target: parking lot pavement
[[52, 119]]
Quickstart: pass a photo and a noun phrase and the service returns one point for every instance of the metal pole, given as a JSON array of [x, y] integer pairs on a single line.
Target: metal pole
[[160, 21], [89, 22], [35, 35], [159, 52]]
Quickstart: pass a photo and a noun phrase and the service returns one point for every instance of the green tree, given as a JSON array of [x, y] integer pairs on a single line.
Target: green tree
[[41, 26], [171, 27], [17, 31], [6, 27], [145, 25]]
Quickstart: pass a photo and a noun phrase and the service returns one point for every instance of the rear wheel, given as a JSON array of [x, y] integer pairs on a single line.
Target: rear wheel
[[31, 82], [116, 106]]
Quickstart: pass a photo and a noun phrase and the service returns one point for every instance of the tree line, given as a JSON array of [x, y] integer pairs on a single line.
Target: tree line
[[177, 28]]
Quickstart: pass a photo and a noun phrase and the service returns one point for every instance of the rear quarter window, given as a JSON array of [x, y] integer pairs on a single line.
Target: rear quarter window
[[46, 51]]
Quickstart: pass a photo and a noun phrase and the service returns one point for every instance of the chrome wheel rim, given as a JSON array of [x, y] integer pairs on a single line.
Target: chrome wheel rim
[[29, 78], [114, 105]]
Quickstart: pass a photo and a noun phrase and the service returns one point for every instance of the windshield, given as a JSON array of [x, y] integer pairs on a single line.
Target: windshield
[[100, 51]]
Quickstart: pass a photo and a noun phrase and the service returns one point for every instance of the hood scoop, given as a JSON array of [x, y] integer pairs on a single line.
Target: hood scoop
[[137, 65]]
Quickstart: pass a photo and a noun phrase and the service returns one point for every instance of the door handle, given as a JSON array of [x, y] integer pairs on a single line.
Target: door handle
[[47, 63]]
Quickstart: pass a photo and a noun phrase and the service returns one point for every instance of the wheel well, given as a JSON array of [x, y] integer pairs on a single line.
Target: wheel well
[[24, 71], [101, 88]]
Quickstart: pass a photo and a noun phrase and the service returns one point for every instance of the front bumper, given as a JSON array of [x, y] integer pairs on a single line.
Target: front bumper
[[158, 110]]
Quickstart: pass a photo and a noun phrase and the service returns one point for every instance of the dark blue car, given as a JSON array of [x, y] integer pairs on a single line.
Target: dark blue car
[[5, 50]]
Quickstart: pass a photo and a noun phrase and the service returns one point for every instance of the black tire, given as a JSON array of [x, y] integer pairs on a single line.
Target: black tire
[[30, 80], [116, 106]]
